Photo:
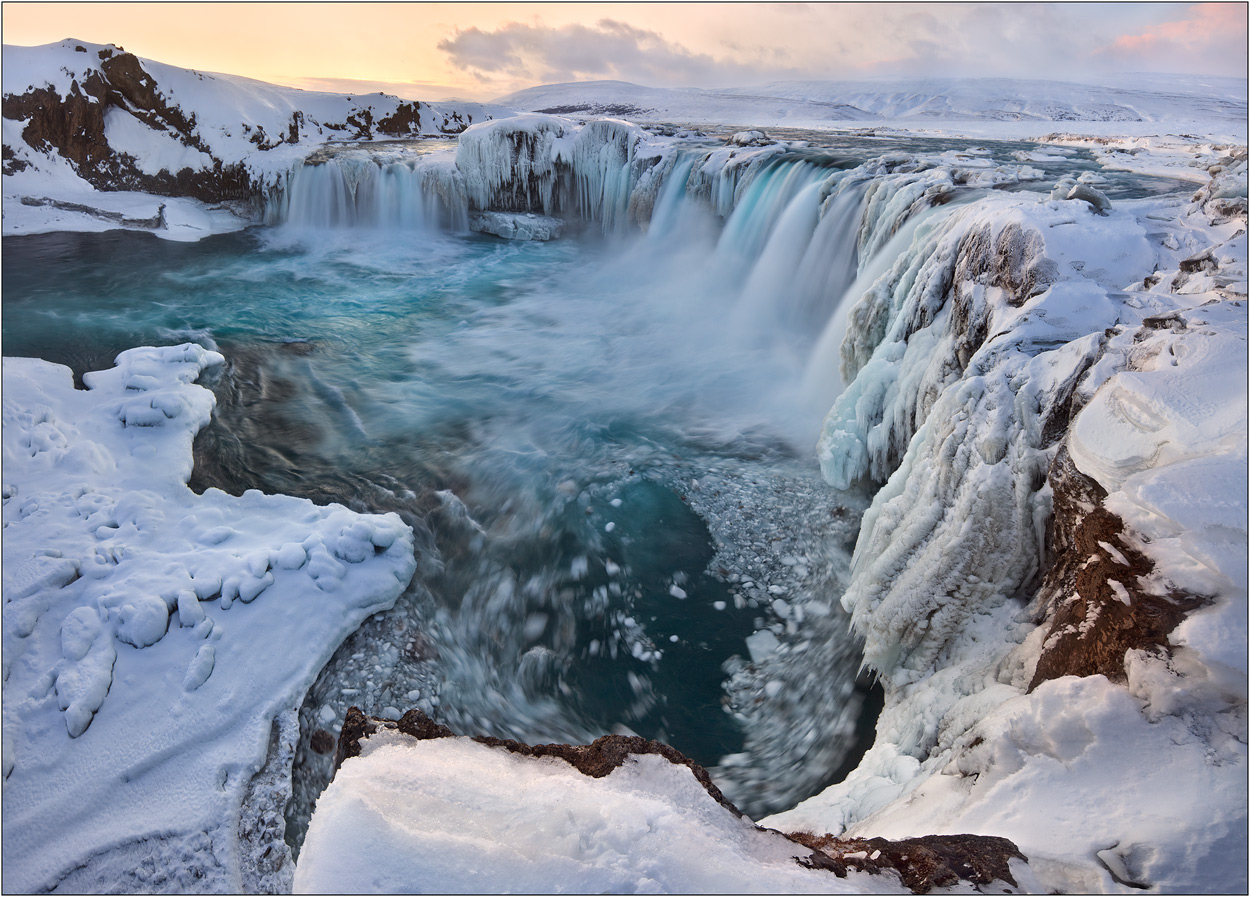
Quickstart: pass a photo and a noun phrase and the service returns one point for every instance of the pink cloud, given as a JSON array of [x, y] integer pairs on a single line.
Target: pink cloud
[[1213, 36]]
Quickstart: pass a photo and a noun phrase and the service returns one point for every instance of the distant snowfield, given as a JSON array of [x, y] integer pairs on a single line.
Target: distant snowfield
[[1005, 109], [133, 607]]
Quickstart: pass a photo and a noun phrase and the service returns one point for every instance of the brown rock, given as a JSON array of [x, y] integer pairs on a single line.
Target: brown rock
[[922, 863], [1089, 626]]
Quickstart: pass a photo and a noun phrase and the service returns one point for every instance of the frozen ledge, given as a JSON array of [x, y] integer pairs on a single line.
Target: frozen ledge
[[412, 802], [156, 643]]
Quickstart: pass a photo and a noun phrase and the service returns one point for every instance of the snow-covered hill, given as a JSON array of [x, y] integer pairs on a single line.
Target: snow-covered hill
[[1150, 98], [81, 119]]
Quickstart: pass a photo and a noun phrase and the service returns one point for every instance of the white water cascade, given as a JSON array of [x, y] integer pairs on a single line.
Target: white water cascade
[[357, 189]]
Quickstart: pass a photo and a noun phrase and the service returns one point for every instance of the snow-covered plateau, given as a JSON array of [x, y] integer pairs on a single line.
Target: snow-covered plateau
[[1006, 326]]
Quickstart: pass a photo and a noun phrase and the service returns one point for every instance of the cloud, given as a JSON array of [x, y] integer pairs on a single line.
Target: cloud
[[1213, 36], [609, 49]]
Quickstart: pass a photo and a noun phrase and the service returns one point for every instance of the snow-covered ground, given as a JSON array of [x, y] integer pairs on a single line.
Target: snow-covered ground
[[149, 720], [1000, 108], [459, 816], [157, 643]]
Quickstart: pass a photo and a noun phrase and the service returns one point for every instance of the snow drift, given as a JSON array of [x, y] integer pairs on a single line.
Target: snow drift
[[149, 722]]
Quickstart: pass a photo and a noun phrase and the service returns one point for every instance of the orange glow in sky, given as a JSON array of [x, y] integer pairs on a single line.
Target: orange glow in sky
[[484, 50]]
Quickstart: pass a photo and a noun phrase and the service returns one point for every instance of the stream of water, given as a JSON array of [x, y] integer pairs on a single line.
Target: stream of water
[[605, 446]]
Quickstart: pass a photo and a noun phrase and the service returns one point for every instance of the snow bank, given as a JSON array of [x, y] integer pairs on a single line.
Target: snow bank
[[441, 814], [149, 722]]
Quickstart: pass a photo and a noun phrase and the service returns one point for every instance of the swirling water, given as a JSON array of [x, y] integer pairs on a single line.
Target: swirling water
[[605, 447]]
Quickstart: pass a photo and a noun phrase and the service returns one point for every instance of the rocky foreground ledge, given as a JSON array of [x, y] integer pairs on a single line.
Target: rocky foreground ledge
[[413, 805]]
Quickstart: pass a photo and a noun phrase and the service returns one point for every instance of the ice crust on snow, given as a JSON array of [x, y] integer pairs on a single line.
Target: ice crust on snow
[[141, 686]]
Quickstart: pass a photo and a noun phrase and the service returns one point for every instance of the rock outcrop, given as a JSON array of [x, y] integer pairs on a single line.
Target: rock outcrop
[[73, 126]]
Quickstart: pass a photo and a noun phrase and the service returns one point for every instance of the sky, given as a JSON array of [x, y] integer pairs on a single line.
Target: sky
[[482, 51]]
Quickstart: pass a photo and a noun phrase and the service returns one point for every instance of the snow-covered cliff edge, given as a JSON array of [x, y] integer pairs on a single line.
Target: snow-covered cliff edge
[[95, 137]]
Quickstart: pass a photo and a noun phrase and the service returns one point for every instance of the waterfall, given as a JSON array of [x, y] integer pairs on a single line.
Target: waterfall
[[783, 236], [359, 189]]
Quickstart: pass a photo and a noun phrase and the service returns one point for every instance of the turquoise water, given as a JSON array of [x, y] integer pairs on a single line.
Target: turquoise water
[[537, 412], [605, 447]]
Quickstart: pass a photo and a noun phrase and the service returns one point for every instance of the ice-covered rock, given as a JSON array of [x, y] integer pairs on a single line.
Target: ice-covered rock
[[553, 166], [985, 365], [749, 138], [525, 226]]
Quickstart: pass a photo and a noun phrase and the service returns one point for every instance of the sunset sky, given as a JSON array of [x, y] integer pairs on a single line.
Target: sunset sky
[[485, 50]]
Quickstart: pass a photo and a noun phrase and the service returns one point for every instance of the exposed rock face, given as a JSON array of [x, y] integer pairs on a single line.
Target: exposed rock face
[[73, 127], [1097, 607], [922, 863]]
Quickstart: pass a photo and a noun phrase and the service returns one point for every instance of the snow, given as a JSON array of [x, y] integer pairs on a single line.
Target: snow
[[449, 815], [153, 150], [138, 707], [956, 430], [147, 719], [1167, 440], [987, 107]]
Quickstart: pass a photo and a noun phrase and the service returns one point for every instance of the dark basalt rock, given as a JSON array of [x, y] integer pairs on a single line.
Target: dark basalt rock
[[1089, 627], [923, 863], [73, 127], [404, 121]]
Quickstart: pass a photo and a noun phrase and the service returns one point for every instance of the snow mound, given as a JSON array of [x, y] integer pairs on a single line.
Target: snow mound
[[415, 805], [143, 697]]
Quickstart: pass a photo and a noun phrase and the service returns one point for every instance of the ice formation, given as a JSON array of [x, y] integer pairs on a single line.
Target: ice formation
[[1017, 367], [148, 719], [968, 359]]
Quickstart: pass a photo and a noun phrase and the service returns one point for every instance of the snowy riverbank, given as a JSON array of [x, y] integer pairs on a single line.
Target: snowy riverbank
[[157, 643], [1044, 391]]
